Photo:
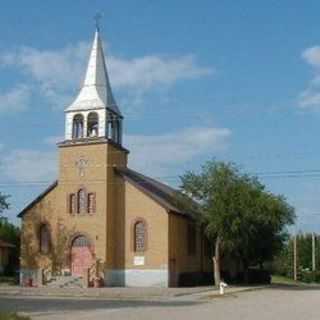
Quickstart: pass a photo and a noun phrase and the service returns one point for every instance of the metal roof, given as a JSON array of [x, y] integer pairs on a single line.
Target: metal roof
[[165, 195], [96, 90]]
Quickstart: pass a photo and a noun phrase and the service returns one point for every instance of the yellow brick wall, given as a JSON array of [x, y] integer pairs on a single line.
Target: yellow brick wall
[[138, 204], [119, 204], [52, 209], [180, 259]]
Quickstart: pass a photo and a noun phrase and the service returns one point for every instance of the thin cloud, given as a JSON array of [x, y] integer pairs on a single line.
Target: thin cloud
[[23, 165], [57, 73], [309, 99], [155, 155], [150, 71], [16, 99], [161, 154], [53, 140]]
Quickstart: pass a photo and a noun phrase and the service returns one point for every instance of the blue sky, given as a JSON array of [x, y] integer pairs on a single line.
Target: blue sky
[[239, 81]]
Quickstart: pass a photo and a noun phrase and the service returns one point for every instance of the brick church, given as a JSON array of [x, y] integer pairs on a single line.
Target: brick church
[[100, 221]]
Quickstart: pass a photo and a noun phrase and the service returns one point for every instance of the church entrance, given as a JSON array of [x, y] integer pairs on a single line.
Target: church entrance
[[81, 256]]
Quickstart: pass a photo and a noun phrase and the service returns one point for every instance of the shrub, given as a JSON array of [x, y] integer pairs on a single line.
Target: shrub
[[309, 276]]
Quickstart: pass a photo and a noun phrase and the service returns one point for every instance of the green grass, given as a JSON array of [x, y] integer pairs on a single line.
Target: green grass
[[283, 280], [12, 316], [8, 280]]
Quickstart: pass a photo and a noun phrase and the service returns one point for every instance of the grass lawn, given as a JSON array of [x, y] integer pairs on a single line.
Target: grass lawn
[[12, 316], [7, 281], [283, 280]]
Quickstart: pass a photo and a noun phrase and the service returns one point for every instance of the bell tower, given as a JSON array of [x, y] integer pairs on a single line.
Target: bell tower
[[94, 113], [91, 150]]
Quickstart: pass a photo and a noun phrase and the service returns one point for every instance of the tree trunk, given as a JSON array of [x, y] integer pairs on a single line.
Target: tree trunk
[[216, 262]]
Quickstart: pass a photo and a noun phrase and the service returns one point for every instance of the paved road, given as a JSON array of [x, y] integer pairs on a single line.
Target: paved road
[[271, 304]]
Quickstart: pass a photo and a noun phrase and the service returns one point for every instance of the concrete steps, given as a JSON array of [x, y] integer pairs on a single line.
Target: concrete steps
[[65, 282]]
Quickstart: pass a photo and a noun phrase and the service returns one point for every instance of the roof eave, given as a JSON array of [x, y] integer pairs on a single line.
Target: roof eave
[[37, 199], [169, 208]]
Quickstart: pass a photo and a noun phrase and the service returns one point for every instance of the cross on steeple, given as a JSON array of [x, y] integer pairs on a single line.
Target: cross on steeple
[[97, 18]]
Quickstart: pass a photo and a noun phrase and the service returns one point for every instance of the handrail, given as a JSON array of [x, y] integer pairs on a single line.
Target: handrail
[[47, 273], [93, 273]]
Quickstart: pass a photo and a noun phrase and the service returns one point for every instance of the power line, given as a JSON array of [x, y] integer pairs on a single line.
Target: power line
[[315, 173]]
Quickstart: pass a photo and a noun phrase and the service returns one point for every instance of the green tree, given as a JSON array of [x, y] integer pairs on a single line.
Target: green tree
[[240, 217], [11, 233], [4, 205]]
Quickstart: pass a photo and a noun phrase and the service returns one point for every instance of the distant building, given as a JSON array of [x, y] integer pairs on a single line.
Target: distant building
[[101, 219], [5, 248]]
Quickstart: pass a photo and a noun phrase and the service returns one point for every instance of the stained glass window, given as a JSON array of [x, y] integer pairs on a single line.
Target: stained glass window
[[44, 239], [72, 203], [139, 236], [81, 201], [91, 203]]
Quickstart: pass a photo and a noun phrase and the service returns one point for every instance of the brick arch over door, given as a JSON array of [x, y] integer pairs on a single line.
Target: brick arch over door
[[82, 256]]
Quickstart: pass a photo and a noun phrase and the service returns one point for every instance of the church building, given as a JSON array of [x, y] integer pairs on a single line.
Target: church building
[[101, 223]]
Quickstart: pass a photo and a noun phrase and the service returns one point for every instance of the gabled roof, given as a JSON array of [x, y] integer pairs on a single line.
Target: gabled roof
[[95, 92], [4, 244], [163, 194], [37, 199]]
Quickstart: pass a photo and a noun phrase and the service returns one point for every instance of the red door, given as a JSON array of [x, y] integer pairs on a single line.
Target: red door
[[81, 256]]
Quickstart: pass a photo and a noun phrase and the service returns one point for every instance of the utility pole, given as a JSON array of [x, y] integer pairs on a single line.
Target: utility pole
[[313, 252], [295, 258]]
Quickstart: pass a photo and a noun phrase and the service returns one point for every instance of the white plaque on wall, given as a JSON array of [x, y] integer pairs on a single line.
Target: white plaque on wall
[[138, 261]]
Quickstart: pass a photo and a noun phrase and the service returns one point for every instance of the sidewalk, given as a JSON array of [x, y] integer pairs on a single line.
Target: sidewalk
[[122, 293]]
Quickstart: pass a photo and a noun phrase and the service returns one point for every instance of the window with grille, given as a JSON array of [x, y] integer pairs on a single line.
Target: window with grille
[[139, 236]]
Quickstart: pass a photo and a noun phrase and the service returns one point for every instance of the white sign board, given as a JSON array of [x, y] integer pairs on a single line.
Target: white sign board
[[138, 261]]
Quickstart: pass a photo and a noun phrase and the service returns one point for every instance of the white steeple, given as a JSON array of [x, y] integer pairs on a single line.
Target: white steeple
[[96, 90], [95, 100]]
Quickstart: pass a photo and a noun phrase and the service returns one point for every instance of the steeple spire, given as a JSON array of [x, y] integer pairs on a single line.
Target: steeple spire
[[94, 113], [96, 90]]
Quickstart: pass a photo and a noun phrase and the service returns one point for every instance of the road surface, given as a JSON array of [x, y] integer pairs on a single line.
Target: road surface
[[283, 303]]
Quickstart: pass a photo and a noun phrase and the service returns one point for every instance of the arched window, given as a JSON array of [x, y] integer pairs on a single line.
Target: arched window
[[80, 241], [110, 126], [91, 203], [140, 235], [72, 203], [93, 125], [77, 127], [44, 239], [81, 201], [119, 133], [114, 129]]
